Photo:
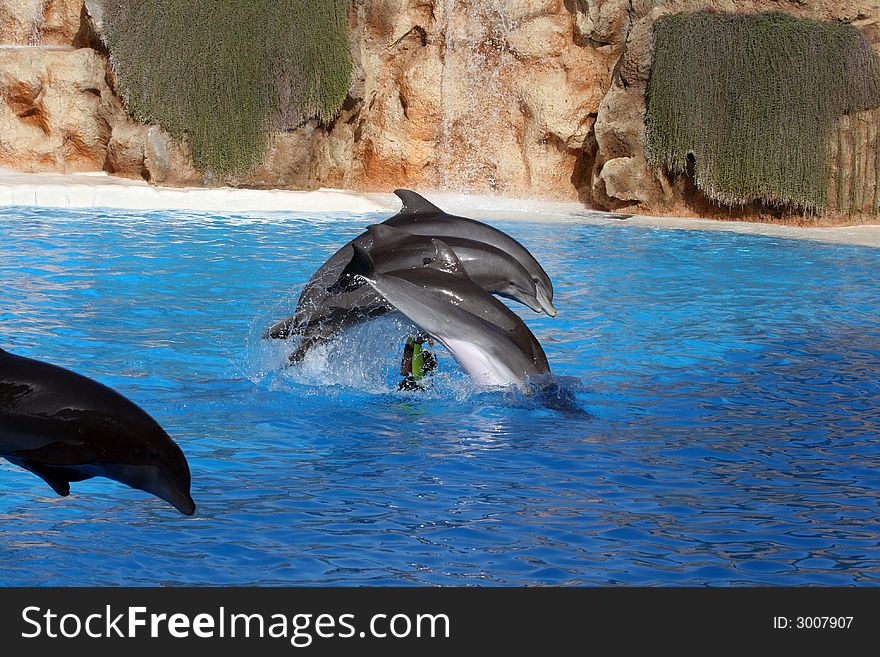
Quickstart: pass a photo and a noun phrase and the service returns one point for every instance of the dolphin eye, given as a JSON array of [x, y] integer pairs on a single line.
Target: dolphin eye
[[426, 261]]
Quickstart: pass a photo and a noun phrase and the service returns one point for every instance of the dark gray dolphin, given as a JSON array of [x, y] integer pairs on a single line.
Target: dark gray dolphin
[[321, 315], [421, 217], [65, 427], [482, 349], [494, 270], [444, 277]]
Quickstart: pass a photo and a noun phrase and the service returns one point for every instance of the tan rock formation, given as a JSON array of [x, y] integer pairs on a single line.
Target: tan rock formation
[[484, 97], [20, 21], [40, 22], [57, 110], [59, 113], [534, 98]]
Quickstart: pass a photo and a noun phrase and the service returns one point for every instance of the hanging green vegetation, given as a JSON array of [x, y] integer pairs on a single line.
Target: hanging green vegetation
[[755, 99], [225, 72]]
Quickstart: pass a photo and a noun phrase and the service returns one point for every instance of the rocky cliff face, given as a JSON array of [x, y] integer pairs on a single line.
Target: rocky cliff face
[[59, 107], [50, 22], [518, 97], [621, 177]]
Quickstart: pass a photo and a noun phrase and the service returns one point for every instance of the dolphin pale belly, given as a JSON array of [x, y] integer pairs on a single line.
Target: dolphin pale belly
[[65, 427], [482, 349]]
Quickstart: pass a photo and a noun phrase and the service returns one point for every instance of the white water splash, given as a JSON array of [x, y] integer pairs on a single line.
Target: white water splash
[[365, 359]]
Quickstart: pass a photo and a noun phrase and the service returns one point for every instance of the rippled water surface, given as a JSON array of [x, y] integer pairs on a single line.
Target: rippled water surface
[[730, 385]]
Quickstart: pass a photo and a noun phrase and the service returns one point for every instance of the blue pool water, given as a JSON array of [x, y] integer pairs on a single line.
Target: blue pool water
[[731, 383]]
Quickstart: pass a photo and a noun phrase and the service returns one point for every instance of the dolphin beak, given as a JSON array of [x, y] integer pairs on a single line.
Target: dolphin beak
[[532, 302], [156, 479], [180, 500], [186, 506], [546, 304]]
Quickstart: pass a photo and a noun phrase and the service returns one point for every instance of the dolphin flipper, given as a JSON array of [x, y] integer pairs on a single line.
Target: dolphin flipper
[[415, 203], [57, 477]]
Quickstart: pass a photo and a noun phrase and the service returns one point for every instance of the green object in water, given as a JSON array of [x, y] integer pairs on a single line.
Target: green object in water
[[418, 361]]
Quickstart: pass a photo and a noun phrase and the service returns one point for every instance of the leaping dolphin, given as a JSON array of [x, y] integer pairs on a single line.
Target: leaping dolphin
[[482, 349], [479, 245], [65, 427], [494, 270], [321, 315], [421, 217], [444, 277]]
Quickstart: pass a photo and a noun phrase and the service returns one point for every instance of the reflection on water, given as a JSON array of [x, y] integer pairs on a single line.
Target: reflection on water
[[731, 383]]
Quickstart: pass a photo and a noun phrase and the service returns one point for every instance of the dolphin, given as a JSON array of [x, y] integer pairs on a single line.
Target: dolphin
[[325, 310], [477, 244], [482, 349], [421, 217], [493, 269], [445, 278], [321, 315], [65, 427]]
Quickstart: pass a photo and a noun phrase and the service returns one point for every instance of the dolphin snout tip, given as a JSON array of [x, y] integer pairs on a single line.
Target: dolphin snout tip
[[533, 304], [546, 304], [185, 504]]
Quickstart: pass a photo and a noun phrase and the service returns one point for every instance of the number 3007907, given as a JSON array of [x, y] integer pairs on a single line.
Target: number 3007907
[[813, 622], [819, 622]]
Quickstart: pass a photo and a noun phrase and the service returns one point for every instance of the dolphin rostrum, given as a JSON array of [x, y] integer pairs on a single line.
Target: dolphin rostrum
[[482, 349], [65, 427]]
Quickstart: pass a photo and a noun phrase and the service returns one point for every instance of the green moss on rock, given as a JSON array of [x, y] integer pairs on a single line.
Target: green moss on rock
[[224, 73], [754, 100]]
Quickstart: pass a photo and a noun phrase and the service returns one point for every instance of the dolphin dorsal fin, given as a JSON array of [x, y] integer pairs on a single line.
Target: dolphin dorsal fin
[[361, 263], [445, 259], [415, 203]]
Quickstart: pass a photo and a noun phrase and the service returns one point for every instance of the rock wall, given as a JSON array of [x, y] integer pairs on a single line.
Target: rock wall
[[621, 178], [490, 96], [529, 98]]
